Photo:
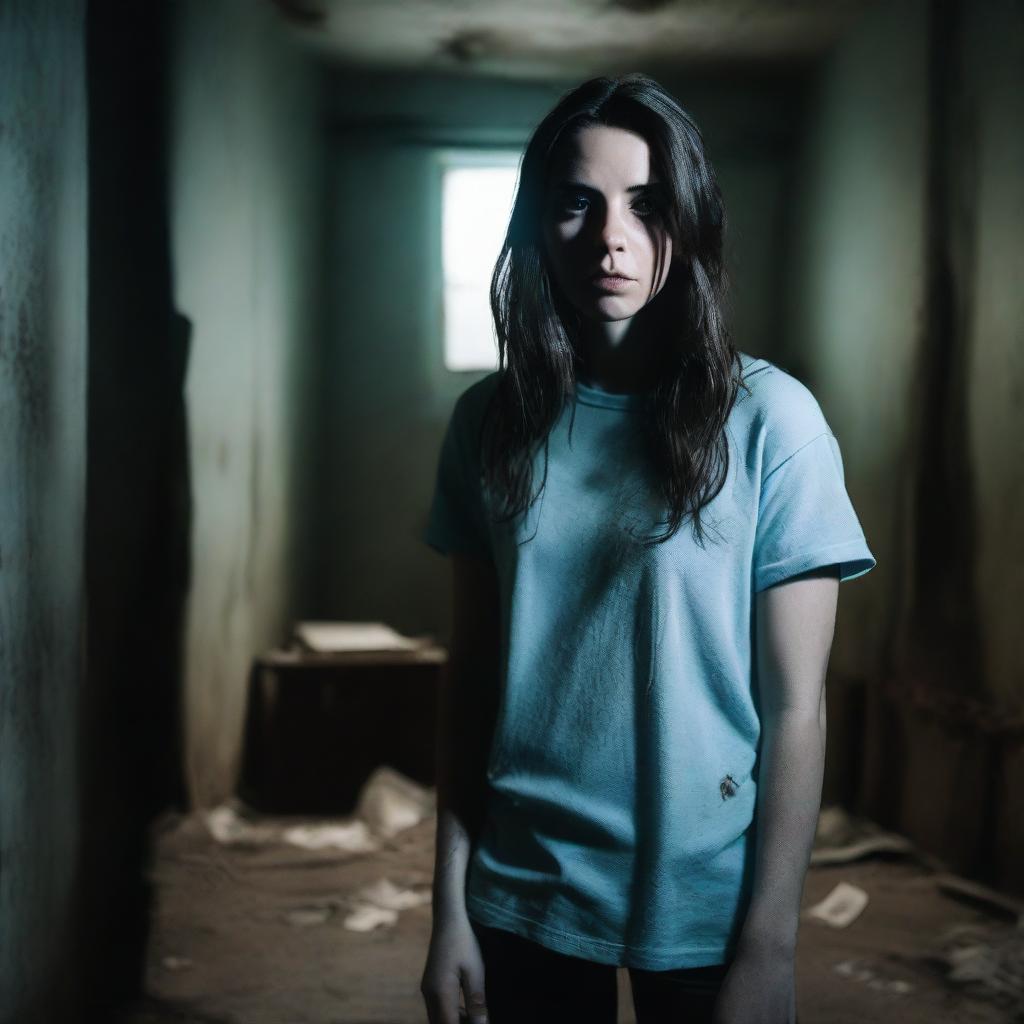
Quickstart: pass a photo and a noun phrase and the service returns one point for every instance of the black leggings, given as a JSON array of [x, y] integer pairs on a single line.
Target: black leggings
[[526, 982]]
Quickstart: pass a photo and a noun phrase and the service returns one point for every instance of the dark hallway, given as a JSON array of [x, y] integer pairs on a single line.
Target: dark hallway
[[226, 368]]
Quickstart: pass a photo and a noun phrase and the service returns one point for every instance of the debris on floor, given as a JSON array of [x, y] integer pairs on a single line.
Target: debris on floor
[[391, 802], [872, 976], [842, 837], [382, 893], [262, 919], [982, 958], [366, 917], [379, 904], [228, 824], [987, 961], [388, 803], [355, 836], [840, 907]]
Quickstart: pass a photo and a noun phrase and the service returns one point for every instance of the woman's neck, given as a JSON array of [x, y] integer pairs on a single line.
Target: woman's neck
[[622, 355]]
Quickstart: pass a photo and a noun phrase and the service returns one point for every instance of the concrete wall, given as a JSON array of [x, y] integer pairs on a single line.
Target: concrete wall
[[158, 332], [908, 322], [245, 210], [984, 202], [43, 183], [856, 298], [387, 390]]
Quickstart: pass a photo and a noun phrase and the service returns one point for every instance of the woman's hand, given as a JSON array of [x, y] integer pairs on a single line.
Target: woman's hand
[[758, 988], [454, 961]]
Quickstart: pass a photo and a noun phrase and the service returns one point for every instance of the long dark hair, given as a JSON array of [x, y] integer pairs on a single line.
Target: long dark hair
[[538, 330]]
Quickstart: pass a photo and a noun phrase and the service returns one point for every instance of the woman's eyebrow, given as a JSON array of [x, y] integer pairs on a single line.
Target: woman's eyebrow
[[651, 186]]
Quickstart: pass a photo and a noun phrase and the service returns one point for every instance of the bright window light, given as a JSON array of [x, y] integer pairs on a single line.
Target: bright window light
[[477, 190]]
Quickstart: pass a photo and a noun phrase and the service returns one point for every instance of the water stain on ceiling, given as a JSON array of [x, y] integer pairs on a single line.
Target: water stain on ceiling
[[566, 38]]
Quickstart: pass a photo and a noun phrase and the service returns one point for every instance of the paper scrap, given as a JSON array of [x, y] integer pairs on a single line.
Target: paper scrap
[[859, 972], [353, 636], [384, 893], [390, 802], [367, 917], [841, 906], [353, 836], [227, 826]]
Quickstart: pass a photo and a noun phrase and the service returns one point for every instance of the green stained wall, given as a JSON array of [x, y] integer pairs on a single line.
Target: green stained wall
[[856, 286], [245, 214], [907, 320], [43, 193]]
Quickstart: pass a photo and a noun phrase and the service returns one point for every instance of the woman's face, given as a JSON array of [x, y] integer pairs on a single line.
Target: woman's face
[[601, 217]]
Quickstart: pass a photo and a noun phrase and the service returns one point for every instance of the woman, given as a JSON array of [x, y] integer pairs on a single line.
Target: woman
[[647, 530]]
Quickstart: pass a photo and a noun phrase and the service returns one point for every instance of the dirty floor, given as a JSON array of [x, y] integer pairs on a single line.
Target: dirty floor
[[253, 929]]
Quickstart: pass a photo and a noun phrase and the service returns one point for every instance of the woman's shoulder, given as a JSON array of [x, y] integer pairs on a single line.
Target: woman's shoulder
[[474, 398], [775, 410]]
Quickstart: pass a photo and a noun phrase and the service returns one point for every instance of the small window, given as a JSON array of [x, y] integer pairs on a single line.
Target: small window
[[477, 190]]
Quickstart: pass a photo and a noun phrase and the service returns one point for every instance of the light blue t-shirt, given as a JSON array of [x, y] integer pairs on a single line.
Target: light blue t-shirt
[[623, 772]]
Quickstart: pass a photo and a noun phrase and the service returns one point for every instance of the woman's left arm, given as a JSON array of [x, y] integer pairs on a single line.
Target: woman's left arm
[[795, 622]]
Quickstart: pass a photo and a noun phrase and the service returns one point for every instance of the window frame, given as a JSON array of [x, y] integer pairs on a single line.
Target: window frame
[[467, 158]]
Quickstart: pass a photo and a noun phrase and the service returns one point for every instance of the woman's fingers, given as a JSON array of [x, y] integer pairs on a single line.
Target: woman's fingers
[[442, 1000], [473, 994], [441, 1008]]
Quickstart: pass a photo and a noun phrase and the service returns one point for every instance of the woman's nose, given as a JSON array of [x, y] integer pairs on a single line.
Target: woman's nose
[[611, 233]]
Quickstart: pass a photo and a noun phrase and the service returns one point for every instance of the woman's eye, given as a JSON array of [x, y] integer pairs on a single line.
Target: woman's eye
[[575, 202]]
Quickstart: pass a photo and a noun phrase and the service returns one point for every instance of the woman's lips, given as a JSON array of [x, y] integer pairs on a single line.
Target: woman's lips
[[611, 284]]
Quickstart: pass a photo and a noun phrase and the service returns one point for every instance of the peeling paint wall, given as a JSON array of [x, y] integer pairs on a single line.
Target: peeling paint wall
[[984, 146], [986, 137], [856, 297], [908, 322], [245, 211], [43, 182], [387, 390]]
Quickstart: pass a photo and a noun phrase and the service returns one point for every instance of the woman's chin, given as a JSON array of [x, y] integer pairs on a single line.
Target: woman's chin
[[609, 308]]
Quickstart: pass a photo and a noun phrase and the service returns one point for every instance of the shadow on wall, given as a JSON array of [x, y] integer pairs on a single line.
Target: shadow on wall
[[138, 500]]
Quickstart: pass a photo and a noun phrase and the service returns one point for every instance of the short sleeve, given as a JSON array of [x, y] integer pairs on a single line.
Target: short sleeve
[[805, 518], [456, 522]]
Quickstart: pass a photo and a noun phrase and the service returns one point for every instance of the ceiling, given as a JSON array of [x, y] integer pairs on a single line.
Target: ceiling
[[567, 38]]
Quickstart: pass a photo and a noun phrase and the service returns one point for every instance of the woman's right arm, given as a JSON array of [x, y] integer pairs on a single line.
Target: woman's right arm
[[465, 727]]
